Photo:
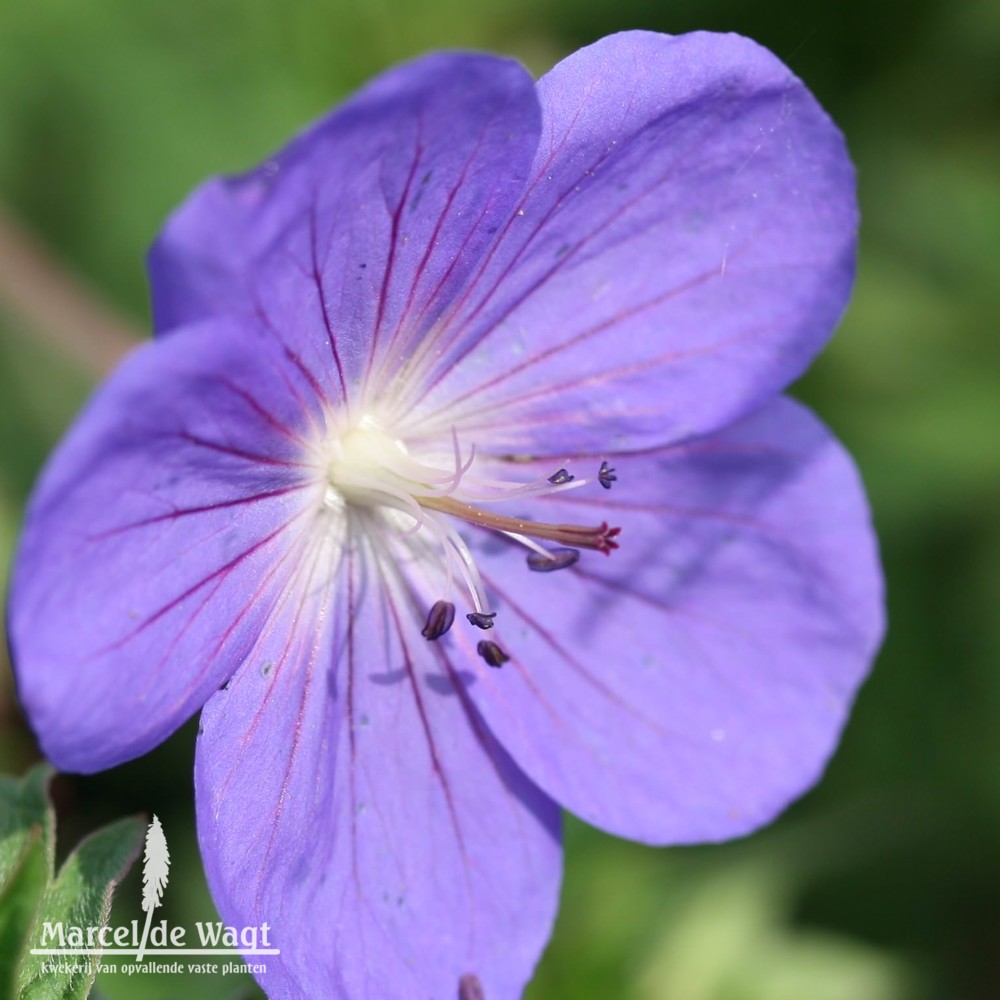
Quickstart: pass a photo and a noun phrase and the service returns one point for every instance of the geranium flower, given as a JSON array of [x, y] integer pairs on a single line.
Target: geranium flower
[[415, 379]]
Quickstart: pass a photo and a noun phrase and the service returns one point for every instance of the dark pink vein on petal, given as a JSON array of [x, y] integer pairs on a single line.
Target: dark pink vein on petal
[[227, 449], [206, 599], [572, 252], [673, 611], [394, 234], [569, 658], [550, 390], [591, 381], [180, 512], [471, 232], [291, 355], [476, 725], [292, 642], [501, 235], [261, 411], [681, 615], [222, 571], [418, 701], [324, 308], [268, 630], [436, 234], [556, 206], [442, 780], [209, 660], [309, 670], [481, 736], [765, 530], [593, 331], [582, 337], [291, 554]]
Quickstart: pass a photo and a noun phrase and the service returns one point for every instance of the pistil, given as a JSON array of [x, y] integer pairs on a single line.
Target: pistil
[[369, 466], [600, 538]]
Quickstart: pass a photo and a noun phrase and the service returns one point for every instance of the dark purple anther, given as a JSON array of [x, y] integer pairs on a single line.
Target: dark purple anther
[[555, 559], [439, 620], [491, 653], [482, 619], [560, 477], [470, 988], [606, 475]]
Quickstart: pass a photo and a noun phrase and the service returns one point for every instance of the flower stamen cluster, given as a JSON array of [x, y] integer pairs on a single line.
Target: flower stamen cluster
[[370, 466]]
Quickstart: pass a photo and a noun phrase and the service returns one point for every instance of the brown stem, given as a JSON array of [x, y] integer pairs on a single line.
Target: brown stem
[[58, 307]]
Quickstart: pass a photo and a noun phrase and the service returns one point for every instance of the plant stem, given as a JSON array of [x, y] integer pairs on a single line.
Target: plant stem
[[57, 306]]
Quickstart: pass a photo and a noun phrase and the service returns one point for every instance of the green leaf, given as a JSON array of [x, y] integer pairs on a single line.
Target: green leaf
[[25, 814], [19, 901], [27, 850], [81, 897]]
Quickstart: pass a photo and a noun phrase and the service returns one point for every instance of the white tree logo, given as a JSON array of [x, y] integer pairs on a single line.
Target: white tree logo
[[155, 871]]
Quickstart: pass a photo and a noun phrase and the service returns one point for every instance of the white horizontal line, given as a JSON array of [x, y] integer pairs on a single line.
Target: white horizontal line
[[153, 952]]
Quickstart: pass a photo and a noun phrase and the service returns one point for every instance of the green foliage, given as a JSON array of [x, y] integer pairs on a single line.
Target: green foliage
[[27, 852], [80, 895], [25, 817], [730, 940]]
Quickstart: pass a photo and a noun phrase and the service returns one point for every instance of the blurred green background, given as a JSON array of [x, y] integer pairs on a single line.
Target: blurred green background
[[884, 883]]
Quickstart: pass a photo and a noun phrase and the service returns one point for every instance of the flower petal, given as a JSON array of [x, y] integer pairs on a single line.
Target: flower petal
[[152, 541], [350, 796], [683, 249], [352, 240], [691, 685]]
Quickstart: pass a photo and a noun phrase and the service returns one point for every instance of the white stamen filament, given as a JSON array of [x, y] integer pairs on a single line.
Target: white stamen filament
[[369, 466], [528, 543], [454, 545]]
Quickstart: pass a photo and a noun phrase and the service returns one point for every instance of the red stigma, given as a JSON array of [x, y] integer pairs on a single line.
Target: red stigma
[[605, 538]]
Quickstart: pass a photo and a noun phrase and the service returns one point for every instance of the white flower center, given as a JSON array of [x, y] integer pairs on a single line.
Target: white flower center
[[368, 466]]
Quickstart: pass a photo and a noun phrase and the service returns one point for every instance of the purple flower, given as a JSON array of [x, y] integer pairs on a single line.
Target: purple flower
[[411, 378]]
